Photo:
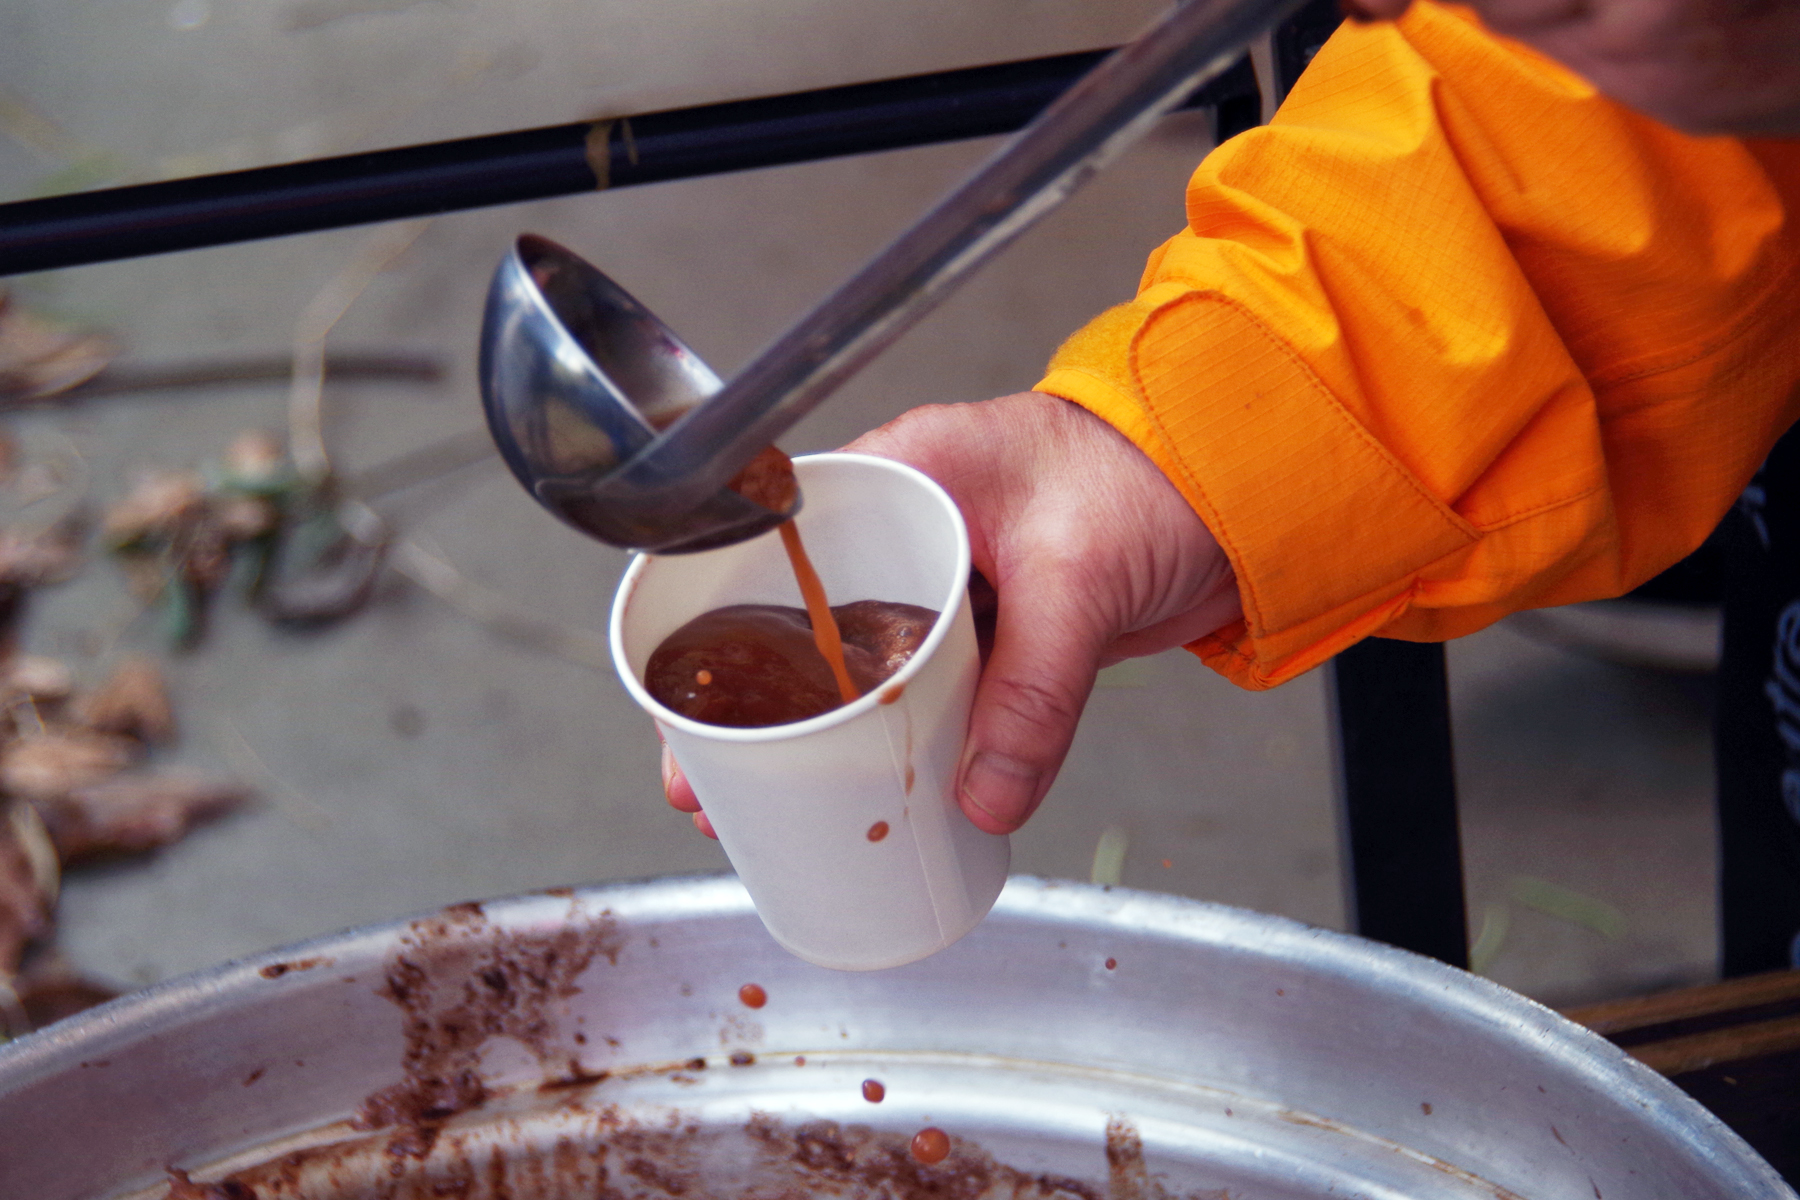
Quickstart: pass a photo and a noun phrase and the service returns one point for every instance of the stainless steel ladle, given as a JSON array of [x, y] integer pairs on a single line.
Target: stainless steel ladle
[[617, 427]]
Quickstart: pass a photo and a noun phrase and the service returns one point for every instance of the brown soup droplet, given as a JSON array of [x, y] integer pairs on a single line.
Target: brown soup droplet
[[878, 830], [874, 1091], [752, 995], [1112, 963], [931, 1145]]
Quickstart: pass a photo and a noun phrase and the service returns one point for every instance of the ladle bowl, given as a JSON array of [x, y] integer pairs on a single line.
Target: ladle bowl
[[577, 377]]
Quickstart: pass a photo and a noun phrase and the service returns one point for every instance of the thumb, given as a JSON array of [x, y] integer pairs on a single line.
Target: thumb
[[1036, 680]]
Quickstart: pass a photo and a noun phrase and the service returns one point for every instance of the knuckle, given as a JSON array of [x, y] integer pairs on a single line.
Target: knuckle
[[1031, 704], [920, 425]]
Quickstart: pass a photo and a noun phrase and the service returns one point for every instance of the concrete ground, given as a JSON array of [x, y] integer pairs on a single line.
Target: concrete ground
[[410, 757]]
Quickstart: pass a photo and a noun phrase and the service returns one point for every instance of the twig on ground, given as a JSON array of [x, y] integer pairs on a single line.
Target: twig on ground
[[311, 455], [306, 395], [131, 378]]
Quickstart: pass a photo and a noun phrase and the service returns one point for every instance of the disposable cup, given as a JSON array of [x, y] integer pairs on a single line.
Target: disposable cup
[[844, 827]]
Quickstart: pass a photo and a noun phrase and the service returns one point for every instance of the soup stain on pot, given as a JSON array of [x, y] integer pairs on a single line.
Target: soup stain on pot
[[277, 970], [606, 1152], [461, 982]]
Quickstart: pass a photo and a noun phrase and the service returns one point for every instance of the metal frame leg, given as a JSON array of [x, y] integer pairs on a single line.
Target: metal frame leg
[[1397, 792]]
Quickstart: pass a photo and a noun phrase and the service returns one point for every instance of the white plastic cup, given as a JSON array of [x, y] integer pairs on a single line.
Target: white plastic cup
[[795, 805]]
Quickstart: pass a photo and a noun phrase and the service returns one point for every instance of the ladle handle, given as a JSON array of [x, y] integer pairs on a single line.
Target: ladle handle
[[1100, 116]]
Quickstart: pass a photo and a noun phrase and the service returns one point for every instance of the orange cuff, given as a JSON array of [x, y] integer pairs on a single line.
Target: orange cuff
[[1281, 454]]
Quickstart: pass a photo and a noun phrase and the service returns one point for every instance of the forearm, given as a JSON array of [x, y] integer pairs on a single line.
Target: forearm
[[1453, 337]]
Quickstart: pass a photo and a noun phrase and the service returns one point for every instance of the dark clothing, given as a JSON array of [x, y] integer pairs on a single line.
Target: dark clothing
[[1758, 722]]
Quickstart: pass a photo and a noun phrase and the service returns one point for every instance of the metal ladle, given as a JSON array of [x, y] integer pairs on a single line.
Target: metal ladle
[[612, 423]]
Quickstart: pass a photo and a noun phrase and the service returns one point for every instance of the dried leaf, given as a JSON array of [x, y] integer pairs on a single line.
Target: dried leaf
[[145, 577], [31, 559], [257, 462], [135, 812], [133, 701], [155, 508], [204, 553], [241, 518], [44, 766], [39, 358], [38, 677], [28, 882], [49, 988]]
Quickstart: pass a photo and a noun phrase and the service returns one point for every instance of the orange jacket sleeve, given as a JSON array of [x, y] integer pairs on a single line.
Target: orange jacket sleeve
[[1453, 336]]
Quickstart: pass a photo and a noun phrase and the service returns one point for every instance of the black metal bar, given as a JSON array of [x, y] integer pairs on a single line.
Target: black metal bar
[[533, 164], [1397, 781], [1754, 765], [1300, 37]]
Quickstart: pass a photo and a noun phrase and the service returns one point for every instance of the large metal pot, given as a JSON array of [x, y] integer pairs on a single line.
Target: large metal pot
[[1082, 1043]]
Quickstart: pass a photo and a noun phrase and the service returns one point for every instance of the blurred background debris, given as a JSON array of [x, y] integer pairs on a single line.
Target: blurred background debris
[[40, 359], [76, 785]]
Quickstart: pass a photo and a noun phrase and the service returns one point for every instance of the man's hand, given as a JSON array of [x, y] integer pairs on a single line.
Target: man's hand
[[1094, 556], [1702, 66]]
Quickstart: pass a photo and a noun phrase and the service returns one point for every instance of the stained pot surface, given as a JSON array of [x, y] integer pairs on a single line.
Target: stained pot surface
[[1082, 1044]]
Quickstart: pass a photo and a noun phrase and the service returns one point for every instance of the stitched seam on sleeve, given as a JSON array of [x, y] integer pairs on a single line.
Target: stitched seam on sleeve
[[1403, 602], [1736, 331], [1502, 522], [1253, 607], [1246, 589], [1438, 507]]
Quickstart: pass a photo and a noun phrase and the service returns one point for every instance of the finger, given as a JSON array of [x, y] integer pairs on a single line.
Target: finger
[[984, 606], [1027, 703], [681, 793], [952, 443], [676, 787]]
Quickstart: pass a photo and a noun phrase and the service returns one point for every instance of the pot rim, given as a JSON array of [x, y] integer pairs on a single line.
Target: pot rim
[[1179, 920]]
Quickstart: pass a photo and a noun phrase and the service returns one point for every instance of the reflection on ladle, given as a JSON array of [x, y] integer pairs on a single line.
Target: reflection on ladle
[[577, 378]]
